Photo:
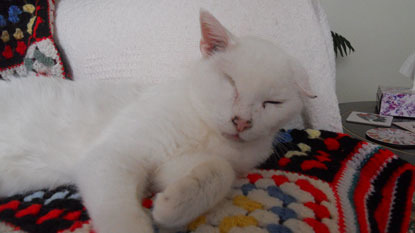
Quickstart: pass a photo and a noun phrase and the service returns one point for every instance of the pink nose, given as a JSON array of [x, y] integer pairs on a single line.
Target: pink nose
[[241, 124]]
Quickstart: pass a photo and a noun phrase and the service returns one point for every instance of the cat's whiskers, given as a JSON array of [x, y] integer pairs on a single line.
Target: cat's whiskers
[[280, 148]]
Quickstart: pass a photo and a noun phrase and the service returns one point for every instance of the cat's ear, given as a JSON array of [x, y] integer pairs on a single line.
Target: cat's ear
[[302, 81], [215, 37]]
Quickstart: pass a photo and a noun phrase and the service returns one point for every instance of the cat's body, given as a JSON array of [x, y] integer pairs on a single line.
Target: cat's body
[[185, 139]]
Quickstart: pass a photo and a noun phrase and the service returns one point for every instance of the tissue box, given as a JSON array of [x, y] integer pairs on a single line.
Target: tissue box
[[395, 101]]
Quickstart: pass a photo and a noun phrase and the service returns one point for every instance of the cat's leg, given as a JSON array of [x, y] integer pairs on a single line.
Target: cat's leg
[[191, 190], [111, 188]]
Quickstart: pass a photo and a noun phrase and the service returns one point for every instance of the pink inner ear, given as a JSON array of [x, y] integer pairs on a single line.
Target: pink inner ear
[[205, 49], [214, 35]]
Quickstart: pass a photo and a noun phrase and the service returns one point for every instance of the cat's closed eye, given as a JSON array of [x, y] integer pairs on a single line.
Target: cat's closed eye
[[264, 104]]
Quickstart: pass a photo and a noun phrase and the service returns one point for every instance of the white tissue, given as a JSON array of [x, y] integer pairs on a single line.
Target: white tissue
[[408, 69]]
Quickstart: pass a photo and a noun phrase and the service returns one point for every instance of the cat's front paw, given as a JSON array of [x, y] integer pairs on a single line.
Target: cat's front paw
[[173, 207], [164, 211]]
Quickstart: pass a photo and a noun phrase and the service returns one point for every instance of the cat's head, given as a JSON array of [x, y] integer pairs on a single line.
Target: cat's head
[[246, 88]]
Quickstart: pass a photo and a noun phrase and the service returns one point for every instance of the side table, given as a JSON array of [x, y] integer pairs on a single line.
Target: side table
[[359, 130]]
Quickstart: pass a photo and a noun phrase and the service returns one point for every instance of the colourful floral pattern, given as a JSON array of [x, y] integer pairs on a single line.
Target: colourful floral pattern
[[396, 102]]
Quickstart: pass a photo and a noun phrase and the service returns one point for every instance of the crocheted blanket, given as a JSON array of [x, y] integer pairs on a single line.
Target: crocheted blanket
[[315, 181]]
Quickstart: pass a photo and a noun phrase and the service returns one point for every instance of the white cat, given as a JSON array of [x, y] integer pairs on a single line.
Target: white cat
[[185, 140]]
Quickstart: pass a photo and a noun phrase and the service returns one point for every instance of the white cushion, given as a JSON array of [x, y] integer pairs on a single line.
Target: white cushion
[[153, 41]]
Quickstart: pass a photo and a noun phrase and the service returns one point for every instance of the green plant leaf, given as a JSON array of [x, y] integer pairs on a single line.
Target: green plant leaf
[[341, 45]]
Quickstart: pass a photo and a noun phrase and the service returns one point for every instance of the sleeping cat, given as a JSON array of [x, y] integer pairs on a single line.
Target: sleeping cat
[[185, 140]]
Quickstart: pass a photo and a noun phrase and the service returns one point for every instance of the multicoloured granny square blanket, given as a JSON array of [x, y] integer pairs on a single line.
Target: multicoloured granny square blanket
[[27, 45], [315, 181]]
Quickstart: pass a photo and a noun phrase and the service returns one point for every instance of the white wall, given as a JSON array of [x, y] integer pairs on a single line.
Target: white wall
[[383, 35]]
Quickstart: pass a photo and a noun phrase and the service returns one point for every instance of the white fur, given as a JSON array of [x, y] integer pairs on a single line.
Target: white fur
[[114, 140]]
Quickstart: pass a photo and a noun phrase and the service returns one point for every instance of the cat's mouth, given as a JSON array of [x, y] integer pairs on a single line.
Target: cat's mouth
[[234, 137]]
